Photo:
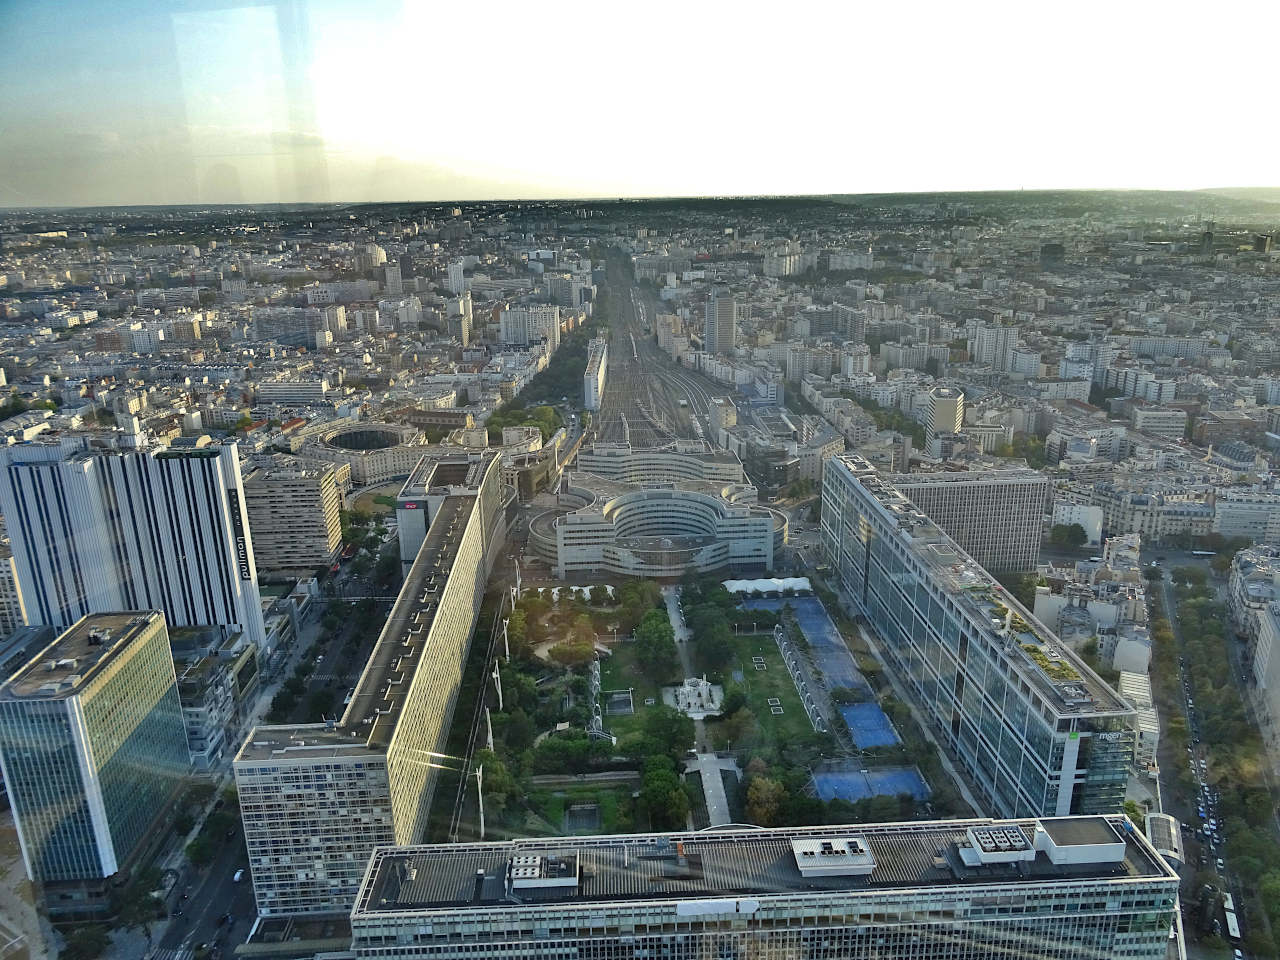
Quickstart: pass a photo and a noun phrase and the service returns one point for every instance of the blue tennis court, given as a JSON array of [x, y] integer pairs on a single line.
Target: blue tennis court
[[854, 785], [826, 644], [869, 725]]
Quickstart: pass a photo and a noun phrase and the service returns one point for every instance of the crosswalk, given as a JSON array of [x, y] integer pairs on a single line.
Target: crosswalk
[[172, 953]]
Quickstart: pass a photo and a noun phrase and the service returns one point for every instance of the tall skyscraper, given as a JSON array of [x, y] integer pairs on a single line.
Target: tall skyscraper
[[721, 316], [94, 749], [97, 530], [1069, 888], [946, 410], [1036, 730]]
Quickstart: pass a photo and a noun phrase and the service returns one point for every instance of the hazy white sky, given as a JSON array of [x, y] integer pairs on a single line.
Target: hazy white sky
[[280, 100]]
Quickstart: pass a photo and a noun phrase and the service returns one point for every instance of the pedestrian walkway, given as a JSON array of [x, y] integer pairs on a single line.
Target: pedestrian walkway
[[710, 766]]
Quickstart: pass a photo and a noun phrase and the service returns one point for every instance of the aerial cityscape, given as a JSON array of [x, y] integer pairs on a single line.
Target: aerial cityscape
[[846, 576]]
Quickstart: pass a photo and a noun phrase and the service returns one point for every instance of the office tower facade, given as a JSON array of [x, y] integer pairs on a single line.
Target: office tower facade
[[721, 328], [1037, 731], [94, 751], [294, 517], [315, 799], [166, 529], [946, 410], [13, 610], [996, 516], [595, 374], [1074, 888]]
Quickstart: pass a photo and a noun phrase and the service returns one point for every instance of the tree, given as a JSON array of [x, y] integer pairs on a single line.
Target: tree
[[656, 645], [671, 728], [1071, 535], [765, 797], [1152, 573], [739, 725], [519, 732], [200, 851], [661, 794], [499, 785], [138, 905], [86, 943]]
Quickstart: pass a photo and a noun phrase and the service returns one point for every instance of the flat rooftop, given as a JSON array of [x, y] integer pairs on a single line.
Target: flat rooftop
[[446, 472], [63, 667], [300, 741], [730, 863]]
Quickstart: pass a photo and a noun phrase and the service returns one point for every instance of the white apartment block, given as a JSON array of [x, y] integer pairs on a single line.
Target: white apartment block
[[1168, 422], [1253, 514]]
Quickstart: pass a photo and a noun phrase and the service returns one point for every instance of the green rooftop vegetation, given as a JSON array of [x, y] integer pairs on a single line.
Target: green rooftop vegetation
[[1053, 669]]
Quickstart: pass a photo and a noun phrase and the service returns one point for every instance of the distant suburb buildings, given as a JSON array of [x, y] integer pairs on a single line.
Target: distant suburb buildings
[[164, 528], [1036, 730], [315, 798], [1070, 888], [593, 377], [93, 751]]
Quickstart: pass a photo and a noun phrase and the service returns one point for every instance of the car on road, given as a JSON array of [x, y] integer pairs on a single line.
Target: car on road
[[1221, 866], [237, 878]]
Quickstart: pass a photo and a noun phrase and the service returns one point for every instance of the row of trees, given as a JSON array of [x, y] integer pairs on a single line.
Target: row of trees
[[1238, 761]]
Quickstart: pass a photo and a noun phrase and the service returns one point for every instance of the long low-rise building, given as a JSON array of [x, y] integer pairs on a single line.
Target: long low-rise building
[[593, 377], [1063, 888], [1038, 732], [681, 460]]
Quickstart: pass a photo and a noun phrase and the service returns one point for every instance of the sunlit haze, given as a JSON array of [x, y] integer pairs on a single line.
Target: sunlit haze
[[149, 102]]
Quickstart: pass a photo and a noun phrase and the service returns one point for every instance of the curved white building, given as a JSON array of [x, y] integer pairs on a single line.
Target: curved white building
[[376, 452], [605, 527]]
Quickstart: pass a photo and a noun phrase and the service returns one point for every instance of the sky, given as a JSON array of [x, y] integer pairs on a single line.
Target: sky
[[209, 101]]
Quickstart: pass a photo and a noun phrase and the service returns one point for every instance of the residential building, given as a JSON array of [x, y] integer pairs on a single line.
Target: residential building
[[316, 800], [946, 410], [996, 516], [294, 517], [1036, 731], [1066, 888], [164, 528], [93, 752], [721, 324]]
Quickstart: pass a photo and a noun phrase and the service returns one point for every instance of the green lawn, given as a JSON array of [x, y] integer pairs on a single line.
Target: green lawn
[[550, 805], [762, 685], [621, 672]]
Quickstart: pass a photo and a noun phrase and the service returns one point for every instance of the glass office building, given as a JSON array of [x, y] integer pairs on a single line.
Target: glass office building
[[1037, 731], [94, 752], [1072, 888]]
